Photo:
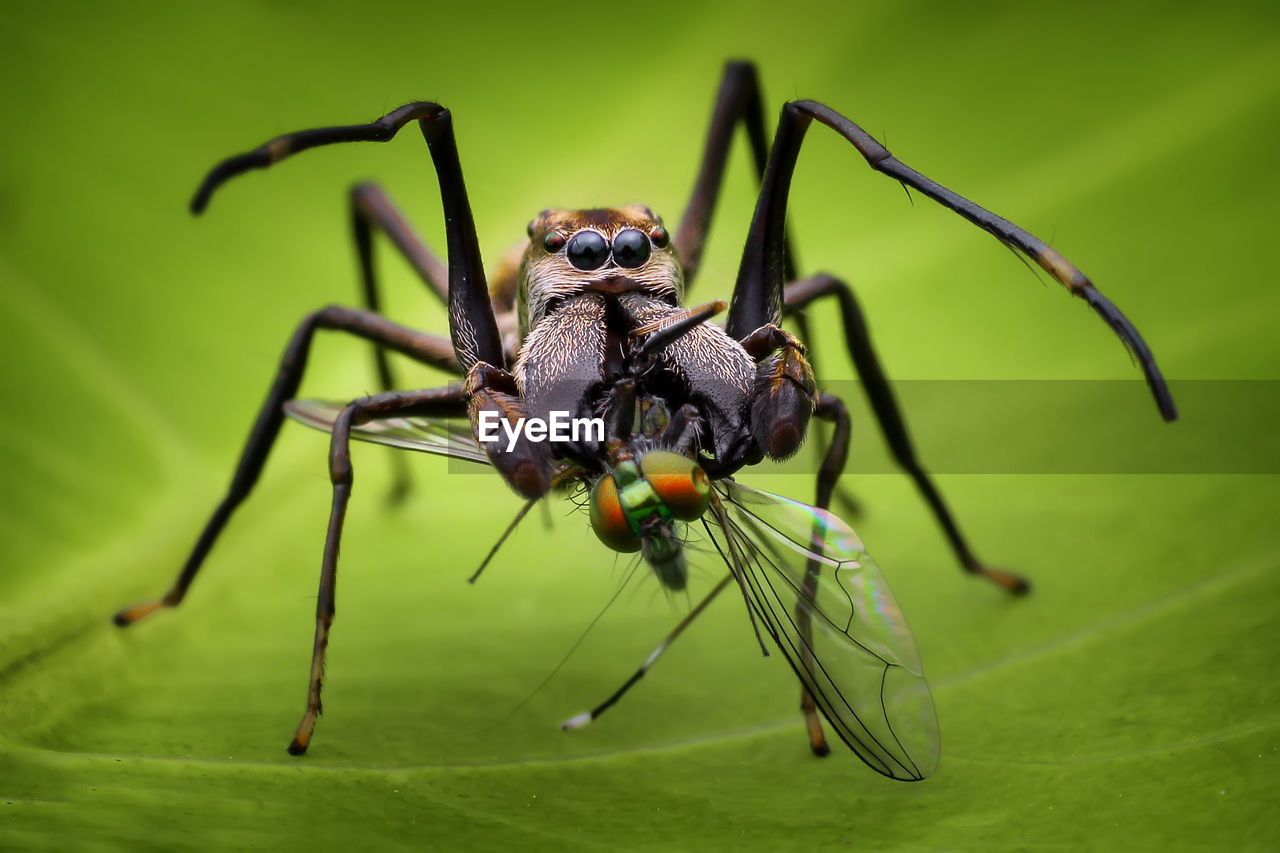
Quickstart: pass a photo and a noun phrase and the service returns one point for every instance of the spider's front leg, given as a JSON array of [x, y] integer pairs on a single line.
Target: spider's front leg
[[758, 293], [473, 327]]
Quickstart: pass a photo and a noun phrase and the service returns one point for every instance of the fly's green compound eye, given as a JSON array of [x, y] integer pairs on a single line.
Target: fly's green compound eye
[[680, 482], [609, 520], [553, 242], [630, 248], [588, 250]]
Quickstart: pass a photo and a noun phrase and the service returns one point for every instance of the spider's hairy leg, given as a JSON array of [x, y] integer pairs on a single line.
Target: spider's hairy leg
[[758, 292], [428, 349], [472, 325], [739, 100], [889, 415], [371, 210], [829, 408], [434, 402], [473, 328]]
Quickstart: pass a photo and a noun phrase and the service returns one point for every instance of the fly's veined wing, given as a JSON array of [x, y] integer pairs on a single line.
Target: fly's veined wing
[[831, 612], [429, 435]]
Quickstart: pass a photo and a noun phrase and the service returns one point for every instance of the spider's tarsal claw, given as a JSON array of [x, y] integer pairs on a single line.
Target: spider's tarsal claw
[[129, 615], [302, 739], [817, 738], [1011, 582]]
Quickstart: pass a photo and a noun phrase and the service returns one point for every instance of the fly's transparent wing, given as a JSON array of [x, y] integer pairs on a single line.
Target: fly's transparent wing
[[445, 437], [832, 614]]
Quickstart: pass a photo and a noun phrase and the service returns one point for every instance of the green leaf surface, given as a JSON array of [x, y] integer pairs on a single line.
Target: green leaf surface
[[1131, 702]]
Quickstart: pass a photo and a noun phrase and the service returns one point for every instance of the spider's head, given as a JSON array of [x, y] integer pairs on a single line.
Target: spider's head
[[610, 249], [638, 507]]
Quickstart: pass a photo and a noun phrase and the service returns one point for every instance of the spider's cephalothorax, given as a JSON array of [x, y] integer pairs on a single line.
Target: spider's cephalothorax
[[591, 322], [608, 250], [594, 287]]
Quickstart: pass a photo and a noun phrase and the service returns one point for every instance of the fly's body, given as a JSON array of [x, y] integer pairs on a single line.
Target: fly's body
[[592, 322]]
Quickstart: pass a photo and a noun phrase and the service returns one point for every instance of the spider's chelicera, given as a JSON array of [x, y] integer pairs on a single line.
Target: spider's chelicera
[[591, 323]]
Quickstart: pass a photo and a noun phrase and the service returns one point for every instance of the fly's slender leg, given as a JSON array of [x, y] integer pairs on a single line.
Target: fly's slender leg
[[738, 100], [889, 416], [372, 210], [435, 402], [428, 349], [582, 719], [757, 298]]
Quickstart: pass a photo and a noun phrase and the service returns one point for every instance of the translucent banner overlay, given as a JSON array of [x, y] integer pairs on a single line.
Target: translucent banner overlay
[[1054, 427]]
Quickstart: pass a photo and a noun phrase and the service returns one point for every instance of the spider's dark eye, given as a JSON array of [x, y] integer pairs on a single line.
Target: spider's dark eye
[[553, 242], [659, 236], [630, 248], [588, 250]]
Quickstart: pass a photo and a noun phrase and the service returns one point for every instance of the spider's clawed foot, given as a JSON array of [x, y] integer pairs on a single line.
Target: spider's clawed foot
[[1011, 582], [302, 739], [817, 738], [129, 615]]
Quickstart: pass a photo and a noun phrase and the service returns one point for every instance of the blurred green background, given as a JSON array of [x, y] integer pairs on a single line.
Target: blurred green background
[[1130, 702]]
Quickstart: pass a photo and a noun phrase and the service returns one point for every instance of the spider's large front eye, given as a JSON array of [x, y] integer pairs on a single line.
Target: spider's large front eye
[[588, 250], [609, 520], [630, 248], [679, 481]]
